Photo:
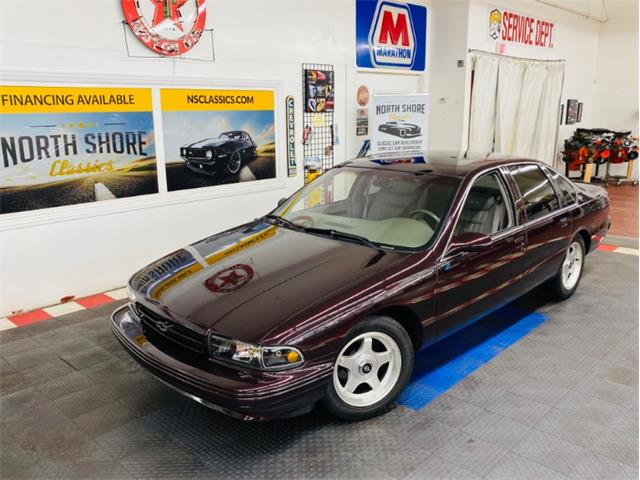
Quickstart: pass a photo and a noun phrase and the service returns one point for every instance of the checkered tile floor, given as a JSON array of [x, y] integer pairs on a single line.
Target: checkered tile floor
[[560, 403]]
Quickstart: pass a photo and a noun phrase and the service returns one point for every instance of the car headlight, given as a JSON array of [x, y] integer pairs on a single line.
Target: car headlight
[[257, 356], [209, 154], [183, 152]]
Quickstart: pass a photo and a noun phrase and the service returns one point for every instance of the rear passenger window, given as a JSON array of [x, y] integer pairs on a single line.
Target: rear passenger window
[[537, 192], [565, 188]]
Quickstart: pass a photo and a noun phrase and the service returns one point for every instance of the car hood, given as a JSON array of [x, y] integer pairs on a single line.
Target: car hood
[[210, 142], [245, 282]]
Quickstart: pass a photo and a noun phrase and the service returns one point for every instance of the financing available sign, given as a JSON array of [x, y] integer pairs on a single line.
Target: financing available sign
[[509, 26], [68, 145], [399, 123], [391, 34]]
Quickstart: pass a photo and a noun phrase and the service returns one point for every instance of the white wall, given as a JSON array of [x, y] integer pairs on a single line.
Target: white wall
[[83, 249], [575, 40], [615, 98]]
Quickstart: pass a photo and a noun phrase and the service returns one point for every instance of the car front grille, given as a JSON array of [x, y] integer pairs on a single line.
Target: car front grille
[[158, 326], [200, 155]]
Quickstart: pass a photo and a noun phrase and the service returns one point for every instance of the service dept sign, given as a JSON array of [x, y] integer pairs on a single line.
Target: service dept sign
[[391, 35], [399, 123], [509, 26]]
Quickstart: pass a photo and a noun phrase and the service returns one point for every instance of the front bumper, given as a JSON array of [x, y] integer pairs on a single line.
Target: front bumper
[[245, 394], [199, 166]]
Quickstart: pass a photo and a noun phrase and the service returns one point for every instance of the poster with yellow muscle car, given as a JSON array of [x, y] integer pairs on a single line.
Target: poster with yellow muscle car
[[69, 145]]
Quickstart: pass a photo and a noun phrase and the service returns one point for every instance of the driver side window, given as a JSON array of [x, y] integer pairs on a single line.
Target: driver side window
[[487, 209]]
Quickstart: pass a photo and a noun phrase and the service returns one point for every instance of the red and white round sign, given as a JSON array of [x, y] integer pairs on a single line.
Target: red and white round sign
[[168, 27]]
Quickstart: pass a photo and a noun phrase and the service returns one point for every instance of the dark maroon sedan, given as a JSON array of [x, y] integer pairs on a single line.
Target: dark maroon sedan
[[329, 296]]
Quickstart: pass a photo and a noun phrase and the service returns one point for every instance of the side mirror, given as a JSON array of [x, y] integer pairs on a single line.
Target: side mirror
[[470, 242], [282, 200]]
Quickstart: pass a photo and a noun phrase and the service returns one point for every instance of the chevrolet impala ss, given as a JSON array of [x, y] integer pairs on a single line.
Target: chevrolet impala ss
[[327, 297]]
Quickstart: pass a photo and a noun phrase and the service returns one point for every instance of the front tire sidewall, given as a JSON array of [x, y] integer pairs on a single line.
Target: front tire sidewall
[[561, 291], [388, 326]]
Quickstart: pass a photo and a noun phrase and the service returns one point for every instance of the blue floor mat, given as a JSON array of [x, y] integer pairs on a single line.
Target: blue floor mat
[[442, 365]]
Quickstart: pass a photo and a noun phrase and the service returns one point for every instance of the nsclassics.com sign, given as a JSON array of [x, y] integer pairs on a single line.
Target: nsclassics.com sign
[[391, 35]]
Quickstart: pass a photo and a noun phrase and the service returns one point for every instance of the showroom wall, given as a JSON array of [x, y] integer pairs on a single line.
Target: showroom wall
[[88, 248], [615, 96], [575, 40]]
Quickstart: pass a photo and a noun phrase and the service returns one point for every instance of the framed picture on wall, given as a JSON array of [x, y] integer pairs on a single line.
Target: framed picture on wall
[[579, 112], [572, 111], [561, 114]]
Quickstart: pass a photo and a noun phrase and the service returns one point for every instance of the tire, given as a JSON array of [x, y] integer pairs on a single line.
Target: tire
[[234, 164], [568, 278], [377, 351]]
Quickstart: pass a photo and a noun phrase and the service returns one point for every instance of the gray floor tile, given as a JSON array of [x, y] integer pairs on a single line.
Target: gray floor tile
[[570, 427], [618, 446], [451, 411], [539, 390], [557, 454], [521, 409], [437, 468], [515, 467], [598, 467], [584, 405], [472, 454], [496, 429]]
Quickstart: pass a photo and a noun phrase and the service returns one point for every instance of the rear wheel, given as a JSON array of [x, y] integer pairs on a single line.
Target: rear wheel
[[371, 369], [568, 277]]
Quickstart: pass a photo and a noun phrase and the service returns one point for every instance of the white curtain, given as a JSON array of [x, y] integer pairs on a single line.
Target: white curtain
[[483, 107], [515, 106]]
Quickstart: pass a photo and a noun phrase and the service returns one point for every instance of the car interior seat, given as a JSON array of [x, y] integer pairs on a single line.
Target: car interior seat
[[484, 212]]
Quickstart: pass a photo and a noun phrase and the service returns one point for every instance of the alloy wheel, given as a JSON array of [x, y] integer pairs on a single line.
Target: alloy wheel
[[572, 266], [234, 163], [367, 369]]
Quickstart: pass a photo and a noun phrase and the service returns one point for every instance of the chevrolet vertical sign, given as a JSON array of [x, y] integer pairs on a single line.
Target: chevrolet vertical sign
[[391, 34], [291, 137]]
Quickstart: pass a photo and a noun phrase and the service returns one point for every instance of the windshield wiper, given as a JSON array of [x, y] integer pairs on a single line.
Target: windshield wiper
[[342, 235], [283, 222]]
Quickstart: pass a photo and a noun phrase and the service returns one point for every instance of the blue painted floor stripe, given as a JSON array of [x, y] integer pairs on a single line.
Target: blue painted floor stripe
[[441, 366]]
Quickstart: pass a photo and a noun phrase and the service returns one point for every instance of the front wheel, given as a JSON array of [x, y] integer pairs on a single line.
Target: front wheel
[[371, 369], [568, 277]]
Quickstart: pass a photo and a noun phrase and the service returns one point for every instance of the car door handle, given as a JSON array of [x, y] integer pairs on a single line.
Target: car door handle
[[519, 242], [563, 222]]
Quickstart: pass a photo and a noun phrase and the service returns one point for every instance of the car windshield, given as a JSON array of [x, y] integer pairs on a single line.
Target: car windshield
[[382, 207], [231, 135]]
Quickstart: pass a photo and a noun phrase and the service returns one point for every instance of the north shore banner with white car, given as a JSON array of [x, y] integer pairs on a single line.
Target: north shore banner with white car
[[67, 145], [399, 123], [214, 137]]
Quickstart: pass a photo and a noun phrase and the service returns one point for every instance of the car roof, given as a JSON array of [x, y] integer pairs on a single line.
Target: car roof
[[450, 163]]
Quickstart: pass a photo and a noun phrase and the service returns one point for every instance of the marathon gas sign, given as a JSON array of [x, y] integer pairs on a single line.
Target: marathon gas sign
[[391, 34], [509, 26]]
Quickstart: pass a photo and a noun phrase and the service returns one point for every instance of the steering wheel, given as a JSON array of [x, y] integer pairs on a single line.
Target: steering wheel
[[303, 221], [428, 216]]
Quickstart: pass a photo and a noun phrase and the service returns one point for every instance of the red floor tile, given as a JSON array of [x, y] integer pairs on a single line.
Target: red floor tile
[[623, 209], [607, 248], [35, 316], [94, 300]]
